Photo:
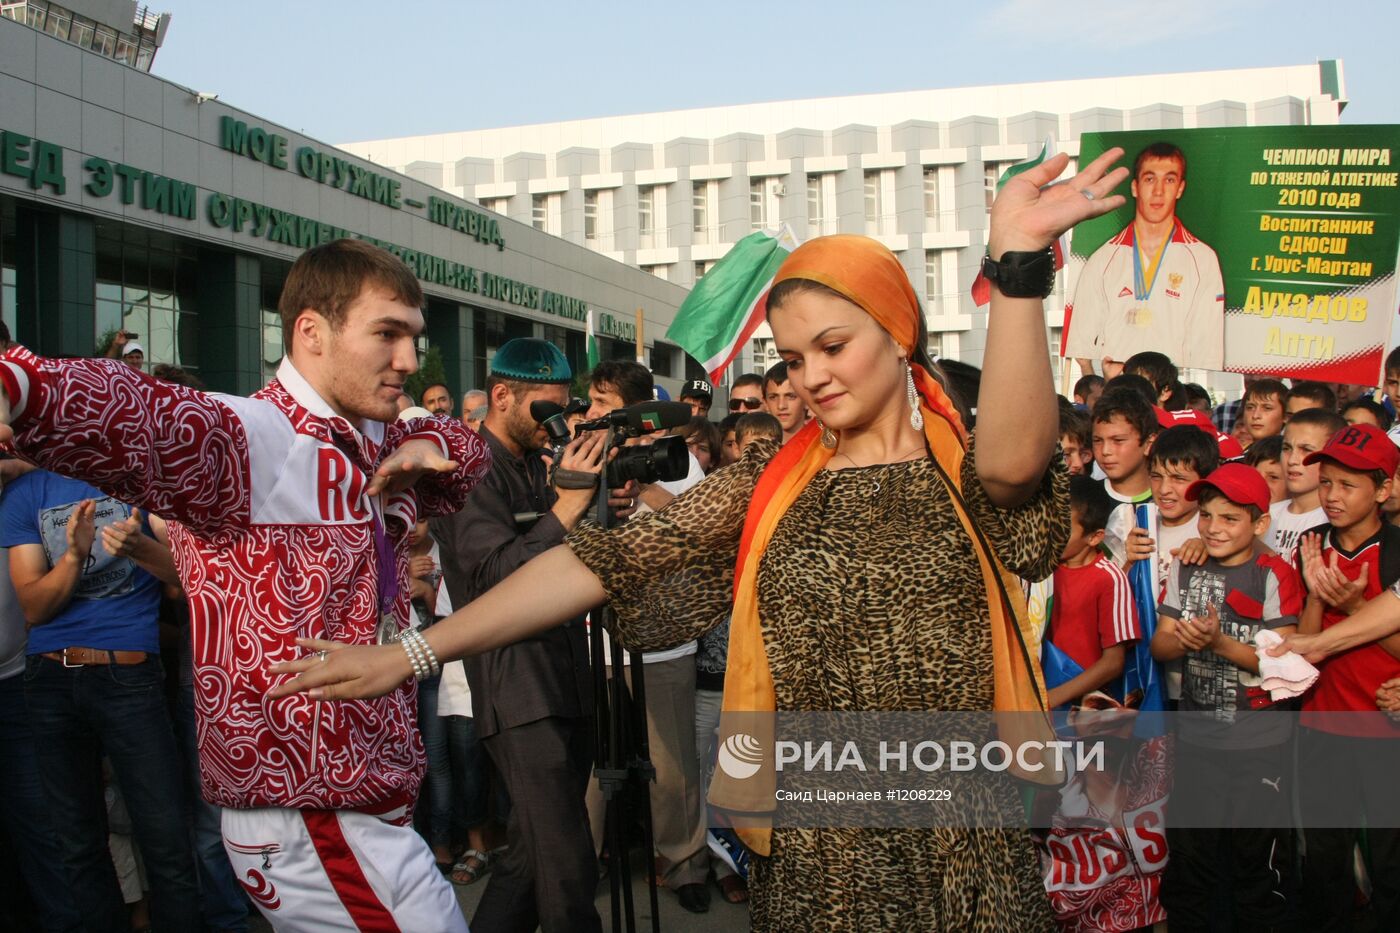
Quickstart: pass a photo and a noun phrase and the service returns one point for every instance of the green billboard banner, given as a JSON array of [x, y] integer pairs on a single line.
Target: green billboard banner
[[1267, 249]]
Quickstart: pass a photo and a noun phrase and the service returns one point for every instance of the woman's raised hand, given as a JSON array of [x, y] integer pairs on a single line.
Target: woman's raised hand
[[335, 671], [1030, 211]]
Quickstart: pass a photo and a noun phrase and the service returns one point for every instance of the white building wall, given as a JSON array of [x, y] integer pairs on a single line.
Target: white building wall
[[960, 132]]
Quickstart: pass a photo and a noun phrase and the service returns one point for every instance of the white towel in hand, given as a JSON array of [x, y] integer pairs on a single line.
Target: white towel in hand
[[1286, 676]]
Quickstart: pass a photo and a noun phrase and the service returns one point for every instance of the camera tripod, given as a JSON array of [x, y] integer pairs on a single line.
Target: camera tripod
[[622, 758]]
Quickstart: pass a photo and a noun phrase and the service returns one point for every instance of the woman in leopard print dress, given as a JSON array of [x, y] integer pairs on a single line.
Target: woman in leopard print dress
[[864, 583]]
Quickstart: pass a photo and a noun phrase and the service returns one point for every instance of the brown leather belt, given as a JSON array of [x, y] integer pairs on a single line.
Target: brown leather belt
[[84, 657]]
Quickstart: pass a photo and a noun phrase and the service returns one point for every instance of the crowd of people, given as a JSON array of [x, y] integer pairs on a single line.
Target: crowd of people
[[376, 611]]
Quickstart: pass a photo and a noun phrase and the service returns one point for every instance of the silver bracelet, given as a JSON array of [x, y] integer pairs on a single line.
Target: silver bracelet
[[420, 654], [418, 672]]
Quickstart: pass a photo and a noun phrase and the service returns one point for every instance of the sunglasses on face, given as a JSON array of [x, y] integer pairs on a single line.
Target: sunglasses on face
[[749, 403]]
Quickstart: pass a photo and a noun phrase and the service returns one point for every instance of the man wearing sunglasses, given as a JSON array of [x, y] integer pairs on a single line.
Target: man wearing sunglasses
[[746, 394]]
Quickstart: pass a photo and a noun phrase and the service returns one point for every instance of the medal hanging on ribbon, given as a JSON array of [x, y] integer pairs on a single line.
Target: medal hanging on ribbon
[[388, 628]]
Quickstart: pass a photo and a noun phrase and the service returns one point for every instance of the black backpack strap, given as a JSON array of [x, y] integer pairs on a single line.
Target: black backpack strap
[[1390, 555]]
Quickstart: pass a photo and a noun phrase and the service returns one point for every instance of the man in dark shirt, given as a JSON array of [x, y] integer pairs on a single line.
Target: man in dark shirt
[[532, 700]]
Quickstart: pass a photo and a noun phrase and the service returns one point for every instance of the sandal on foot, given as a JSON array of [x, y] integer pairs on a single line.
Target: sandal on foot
[[470, 868], [734, 889]]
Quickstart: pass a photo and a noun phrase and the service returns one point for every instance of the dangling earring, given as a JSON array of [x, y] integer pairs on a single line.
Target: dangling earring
[[828, 437], [916, 417]]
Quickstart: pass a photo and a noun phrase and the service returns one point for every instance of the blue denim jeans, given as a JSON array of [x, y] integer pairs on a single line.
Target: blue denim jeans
[[221, 899], [434, 816], [471, 769], [78, 715], [27, 817]]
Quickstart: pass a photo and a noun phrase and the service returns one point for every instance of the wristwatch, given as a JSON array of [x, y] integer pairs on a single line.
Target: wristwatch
[[1022, 275]]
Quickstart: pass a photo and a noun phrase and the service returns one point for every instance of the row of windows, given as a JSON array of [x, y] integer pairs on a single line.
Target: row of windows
[[546, 209], [63, 23]]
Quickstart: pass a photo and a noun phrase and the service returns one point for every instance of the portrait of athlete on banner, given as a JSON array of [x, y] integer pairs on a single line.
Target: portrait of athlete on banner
[[1154, 286]]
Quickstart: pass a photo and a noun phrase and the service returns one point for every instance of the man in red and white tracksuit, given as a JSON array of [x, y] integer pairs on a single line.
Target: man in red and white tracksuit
[[289, 517]]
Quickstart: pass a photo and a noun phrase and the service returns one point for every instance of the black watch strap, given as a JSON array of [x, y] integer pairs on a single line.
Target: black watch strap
[[1022, 275]]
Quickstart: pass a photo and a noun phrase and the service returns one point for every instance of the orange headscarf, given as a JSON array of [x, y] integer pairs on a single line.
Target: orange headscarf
[[869, 275]]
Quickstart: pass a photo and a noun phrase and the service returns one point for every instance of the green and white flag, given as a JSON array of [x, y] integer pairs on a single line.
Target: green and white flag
[[591, 341], [726, 306], [981, 288]]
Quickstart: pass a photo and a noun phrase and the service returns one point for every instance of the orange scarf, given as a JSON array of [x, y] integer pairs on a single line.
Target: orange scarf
[[869, 275]]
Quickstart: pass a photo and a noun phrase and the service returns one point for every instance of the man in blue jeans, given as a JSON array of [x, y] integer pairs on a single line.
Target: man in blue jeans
[[94, 686]]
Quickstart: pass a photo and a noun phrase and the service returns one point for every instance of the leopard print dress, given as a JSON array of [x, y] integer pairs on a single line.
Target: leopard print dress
[[870, 599]]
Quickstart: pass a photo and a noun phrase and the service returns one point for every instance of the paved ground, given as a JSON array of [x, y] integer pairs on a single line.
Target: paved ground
[[722, 916]]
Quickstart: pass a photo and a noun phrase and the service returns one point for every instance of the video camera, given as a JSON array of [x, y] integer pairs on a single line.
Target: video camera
[[664, 460]]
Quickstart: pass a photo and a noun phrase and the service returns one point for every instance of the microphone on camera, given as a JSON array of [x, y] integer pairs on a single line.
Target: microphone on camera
[[551, 417], [645, 417]]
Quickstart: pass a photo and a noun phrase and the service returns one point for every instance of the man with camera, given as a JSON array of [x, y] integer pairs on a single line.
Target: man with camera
[[677, 806], [532, 700]]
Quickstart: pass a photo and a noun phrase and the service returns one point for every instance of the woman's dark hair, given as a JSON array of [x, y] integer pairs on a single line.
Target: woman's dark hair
[[790, 287]]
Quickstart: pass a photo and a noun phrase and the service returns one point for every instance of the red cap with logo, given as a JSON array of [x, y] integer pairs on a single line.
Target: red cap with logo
[[1241, 484], [1360, 447], [1230, 448]]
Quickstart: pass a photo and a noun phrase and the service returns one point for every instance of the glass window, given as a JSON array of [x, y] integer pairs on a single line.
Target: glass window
[[81, 33], [35, 10], [933, 287], [874, 202], [590, 215], [104, 41], [815, 214], [991, 172], [935, 345], [126, 50], [758, 203], [58, 23], [930, 191], [145, 55], [663, 360], [700, 211], [493, 328], [645, 220], [539, 210]]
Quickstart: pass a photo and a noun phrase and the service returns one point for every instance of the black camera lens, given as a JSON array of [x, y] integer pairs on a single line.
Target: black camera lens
[[665, 461]]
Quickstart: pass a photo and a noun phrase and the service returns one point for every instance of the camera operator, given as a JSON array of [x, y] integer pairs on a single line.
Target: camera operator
[[533, 699], [618, 383], [677, 807]]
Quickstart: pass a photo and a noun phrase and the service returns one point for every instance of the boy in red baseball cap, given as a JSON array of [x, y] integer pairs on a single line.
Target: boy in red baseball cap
[[1233, 761], [1348, 753]]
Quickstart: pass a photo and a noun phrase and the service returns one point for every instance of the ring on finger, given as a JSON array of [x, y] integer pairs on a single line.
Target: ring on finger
[[1087, 193], [323, 654]]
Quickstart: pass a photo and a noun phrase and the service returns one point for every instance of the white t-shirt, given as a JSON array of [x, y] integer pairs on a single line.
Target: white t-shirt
[[1169, 538], [1180, 312], [1285, 528]]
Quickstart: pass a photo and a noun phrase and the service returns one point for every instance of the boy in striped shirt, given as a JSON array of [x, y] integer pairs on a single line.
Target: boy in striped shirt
[[1092, 618]]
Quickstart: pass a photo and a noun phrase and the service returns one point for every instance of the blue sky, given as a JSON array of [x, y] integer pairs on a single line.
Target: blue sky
[[357, 70]]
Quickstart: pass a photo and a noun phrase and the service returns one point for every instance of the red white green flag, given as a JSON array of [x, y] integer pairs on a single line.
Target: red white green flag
[[726, 306], [981, 288]]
